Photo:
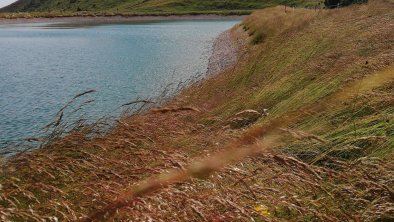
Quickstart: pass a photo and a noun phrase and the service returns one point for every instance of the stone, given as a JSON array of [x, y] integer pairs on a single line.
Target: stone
[[246, 118]]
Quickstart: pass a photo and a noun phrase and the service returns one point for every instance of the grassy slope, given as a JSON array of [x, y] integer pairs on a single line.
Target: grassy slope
[[310, 70], [151, 6], [304, 59]]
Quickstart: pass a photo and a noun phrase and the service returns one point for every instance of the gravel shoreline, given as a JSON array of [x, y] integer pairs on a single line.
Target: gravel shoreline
[[226, 50], [224, 53]]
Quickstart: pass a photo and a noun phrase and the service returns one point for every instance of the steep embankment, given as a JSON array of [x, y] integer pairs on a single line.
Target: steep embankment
[[149, 7], [326, 147]]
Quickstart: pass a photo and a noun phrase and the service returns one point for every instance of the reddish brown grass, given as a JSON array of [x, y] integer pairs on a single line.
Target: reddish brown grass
[[176, 165]]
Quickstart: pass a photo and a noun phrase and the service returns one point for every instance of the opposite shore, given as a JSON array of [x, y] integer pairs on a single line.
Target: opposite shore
[[116, 19]]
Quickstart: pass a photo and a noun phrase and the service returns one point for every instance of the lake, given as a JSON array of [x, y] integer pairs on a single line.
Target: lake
[[43, 66]]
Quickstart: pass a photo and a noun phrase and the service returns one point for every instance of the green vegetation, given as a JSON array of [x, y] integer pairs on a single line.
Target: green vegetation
[[299, 60], [336, 3], [151, 6], [324, 152]]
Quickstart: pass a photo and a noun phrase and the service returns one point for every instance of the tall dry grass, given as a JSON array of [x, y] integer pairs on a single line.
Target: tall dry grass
[[275, 21], [247, 146], [167, 165]]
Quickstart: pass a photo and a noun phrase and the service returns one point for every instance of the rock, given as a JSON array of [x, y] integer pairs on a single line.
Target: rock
[[249, 113], [246, 118]]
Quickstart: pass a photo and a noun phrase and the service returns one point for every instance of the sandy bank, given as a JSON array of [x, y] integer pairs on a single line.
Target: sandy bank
[[116, 19]]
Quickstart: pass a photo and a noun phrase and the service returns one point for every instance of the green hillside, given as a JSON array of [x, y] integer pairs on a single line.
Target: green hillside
[[148, 6]]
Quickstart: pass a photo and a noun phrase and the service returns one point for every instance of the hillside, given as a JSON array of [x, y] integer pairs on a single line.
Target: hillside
[[324, 151], [147, 6]]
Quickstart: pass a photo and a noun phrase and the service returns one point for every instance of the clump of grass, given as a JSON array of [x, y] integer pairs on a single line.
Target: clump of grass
[[275, 21]]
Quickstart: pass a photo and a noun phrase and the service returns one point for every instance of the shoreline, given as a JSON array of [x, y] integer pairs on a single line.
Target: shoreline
[[227, 49], [224, 54], [117, 19]]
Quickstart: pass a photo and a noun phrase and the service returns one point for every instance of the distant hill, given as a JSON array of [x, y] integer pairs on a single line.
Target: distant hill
[[146, 6]]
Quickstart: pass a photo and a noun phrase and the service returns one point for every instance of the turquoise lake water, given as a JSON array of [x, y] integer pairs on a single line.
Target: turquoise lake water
[[43, 66]]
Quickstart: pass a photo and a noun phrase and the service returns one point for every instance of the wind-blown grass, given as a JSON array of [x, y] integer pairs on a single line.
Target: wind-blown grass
[[327, 142]]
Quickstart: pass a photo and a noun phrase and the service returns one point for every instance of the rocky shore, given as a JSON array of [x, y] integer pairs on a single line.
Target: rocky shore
[[226, 50]]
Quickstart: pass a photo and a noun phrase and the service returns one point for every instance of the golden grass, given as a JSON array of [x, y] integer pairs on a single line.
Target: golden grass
[[246, 146], [275, 21], [177, 164]]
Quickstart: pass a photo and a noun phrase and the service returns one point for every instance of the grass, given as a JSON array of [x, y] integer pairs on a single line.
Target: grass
[[140, 7], [324, 152], [59, 14]]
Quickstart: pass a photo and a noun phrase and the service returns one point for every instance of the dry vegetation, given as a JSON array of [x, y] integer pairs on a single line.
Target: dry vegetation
[[324, 152]]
